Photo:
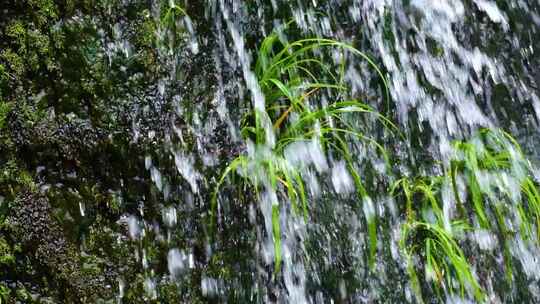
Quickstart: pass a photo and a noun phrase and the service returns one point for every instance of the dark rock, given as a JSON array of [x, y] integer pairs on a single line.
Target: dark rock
[[42, 237]]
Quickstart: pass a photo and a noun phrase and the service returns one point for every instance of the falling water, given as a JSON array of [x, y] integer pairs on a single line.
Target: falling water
[[452, 68]]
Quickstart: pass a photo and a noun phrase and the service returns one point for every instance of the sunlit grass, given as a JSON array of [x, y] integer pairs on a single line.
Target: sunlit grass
[[307, 100], [293, 77], [444, 262], [498, 183]]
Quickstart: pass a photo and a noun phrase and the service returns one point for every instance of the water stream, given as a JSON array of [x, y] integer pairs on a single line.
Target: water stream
[[452, 67], [315, 151]]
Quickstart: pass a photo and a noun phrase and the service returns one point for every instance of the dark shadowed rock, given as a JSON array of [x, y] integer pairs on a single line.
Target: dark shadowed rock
[[42, 238]]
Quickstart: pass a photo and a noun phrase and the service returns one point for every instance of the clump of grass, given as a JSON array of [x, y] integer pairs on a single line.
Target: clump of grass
[[172, 24], [498, 183], [306, 100], [495, 169], [294, 79], [444, 261], [427, 233], [173, 12]]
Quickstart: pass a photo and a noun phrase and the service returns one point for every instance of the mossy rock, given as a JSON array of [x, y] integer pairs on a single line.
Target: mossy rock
[[81, 278]]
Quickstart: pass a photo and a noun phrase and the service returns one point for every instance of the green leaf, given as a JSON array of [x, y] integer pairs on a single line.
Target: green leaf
[[276, 230]]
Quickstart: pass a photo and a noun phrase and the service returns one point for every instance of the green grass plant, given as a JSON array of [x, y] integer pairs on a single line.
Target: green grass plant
[[444, 261], [428, 234], [4, 294], [293, 78], [498, 183], [307, 100], [168, 23]]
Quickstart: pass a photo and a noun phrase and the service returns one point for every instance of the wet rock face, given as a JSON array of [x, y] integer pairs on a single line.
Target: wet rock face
[[42, 238], [79, 121]]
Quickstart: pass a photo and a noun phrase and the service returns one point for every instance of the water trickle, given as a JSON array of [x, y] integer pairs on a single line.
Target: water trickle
[[134, 227], [176, 262], [309, 198]]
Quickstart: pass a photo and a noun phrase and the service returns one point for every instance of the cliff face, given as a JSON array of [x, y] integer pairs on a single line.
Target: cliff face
[[42, 240], [82, 105]]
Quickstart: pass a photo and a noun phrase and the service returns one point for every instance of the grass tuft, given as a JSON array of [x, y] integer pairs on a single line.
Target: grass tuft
[[498, 183], [295, 79]]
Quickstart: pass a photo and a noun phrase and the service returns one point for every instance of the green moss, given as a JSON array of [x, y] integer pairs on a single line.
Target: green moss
[[220, 266], [3, 74], [17, 32], [13, 179], [6, 254], [23, 295], [13, 61], [5, 108], [4, 77], [146, 33], [4, 293], [30, 45], [45, 9], [114, 203], [91, 266]]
